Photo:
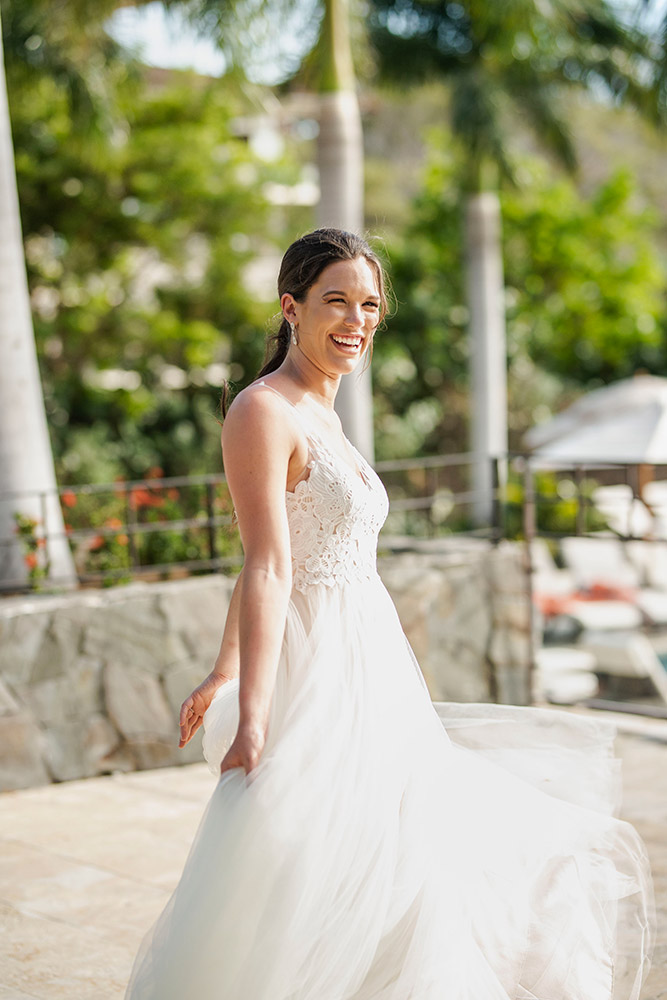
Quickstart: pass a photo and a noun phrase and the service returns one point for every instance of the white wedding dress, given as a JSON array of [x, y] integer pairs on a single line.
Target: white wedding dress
[[387, 849]]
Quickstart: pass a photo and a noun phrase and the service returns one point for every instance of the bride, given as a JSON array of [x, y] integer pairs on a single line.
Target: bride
[[359, 845]]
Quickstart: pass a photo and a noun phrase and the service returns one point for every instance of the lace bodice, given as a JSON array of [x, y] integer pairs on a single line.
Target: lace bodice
[[334, 516]]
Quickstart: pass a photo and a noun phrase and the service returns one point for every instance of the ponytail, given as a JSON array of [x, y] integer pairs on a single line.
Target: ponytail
[[276, 351], [277, 347]]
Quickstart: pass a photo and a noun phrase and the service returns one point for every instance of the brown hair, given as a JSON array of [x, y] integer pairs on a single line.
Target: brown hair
[[301, 266]]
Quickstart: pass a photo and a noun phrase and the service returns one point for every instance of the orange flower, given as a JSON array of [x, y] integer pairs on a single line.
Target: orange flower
[[96, 543], [113, 522], [139, 497], [155, 473], [68, 498], [122, 539], [31, 560], [173, 493]]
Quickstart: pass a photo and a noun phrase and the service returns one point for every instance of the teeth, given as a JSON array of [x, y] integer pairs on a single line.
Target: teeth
[[350, 341]]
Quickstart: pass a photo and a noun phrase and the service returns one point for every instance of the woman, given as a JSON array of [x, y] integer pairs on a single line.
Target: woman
[[353, 848]]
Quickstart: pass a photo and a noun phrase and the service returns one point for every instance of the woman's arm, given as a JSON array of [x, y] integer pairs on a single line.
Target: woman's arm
[[226, 664], [226, 667], [257, 442]]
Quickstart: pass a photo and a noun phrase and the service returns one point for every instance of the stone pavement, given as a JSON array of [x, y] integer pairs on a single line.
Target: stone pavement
[[85, 867]]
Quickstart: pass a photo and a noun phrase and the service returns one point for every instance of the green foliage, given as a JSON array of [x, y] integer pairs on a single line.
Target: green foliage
[[66, 43], [141, 216], [32, 543], [420, 359], [584, 279], [557, 500], [137, 241], [157, 524]]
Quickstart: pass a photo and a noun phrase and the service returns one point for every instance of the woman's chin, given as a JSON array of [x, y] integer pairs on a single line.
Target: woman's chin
[[348, 365]]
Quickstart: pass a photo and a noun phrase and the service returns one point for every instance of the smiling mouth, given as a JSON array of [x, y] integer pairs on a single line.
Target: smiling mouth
[[353, 343]]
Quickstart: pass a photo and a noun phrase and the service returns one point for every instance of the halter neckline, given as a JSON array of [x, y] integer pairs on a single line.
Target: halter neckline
[[358, 472]]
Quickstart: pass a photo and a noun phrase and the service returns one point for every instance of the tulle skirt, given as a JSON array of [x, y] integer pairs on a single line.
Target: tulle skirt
[[387, 849]]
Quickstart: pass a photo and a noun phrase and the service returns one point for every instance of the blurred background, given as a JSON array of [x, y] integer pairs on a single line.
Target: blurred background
[[166, 154], [508, 161]]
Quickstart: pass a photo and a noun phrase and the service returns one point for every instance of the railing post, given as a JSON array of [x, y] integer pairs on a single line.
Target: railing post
[[210, 509], [45, 530], [580, 523], [496, 522], [529, 530], [131, 519], [431, 487]]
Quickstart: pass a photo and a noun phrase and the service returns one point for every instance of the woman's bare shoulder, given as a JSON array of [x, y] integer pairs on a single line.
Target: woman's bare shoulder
[[258, 410]]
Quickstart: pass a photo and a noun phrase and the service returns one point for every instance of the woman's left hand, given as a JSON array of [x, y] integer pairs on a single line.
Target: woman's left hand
[[194, 706]]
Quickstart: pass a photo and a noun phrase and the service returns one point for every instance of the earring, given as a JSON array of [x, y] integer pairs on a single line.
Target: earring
[[295, 339]]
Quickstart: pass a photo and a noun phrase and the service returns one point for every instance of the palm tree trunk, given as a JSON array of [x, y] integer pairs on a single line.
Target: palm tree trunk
[[26, 462], [488, 352], [340, 162]]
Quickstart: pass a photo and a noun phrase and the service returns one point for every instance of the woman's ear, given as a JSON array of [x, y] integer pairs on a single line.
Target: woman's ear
[[288, 307]]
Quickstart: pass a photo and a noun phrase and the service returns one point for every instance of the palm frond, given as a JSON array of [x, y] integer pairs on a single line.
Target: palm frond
[[75, 50], [477, 122], [417, 40], [248, 32], [537, 98], [521, 53]]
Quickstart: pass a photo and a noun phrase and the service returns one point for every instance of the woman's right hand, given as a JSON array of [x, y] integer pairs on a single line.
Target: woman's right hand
[[194, 706], [246, 748]]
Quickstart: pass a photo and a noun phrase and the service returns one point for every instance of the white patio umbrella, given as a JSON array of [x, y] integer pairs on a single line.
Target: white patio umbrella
[[625, 422]]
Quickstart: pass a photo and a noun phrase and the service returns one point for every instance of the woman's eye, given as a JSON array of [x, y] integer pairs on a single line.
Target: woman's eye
[[373, 305]]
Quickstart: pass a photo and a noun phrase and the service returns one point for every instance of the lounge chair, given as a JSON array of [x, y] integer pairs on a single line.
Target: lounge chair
[[621, 568], [623, 512], [564, 675], [627, 655]]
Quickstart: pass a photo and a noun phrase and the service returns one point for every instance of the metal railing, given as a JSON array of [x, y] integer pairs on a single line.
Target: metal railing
[[167, 526], [120, 530]]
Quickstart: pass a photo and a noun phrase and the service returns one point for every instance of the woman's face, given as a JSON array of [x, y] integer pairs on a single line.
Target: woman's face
[[337, 319]]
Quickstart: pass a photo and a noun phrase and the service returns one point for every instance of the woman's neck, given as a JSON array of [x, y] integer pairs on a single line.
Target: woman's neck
[[319, 386]]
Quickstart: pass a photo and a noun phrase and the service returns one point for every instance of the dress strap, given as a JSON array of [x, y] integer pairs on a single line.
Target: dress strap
[[301, 417], [267, 386]]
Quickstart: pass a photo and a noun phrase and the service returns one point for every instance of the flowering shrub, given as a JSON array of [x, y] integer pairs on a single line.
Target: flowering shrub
[[148, 524], [27, 528]]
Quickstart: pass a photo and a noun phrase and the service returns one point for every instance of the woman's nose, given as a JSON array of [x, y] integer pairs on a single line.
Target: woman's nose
[[355, 316]]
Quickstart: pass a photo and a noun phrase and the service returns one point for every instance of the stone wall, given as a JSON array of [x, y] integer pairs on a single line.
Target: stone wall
[[465, 610], [91, 682]]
